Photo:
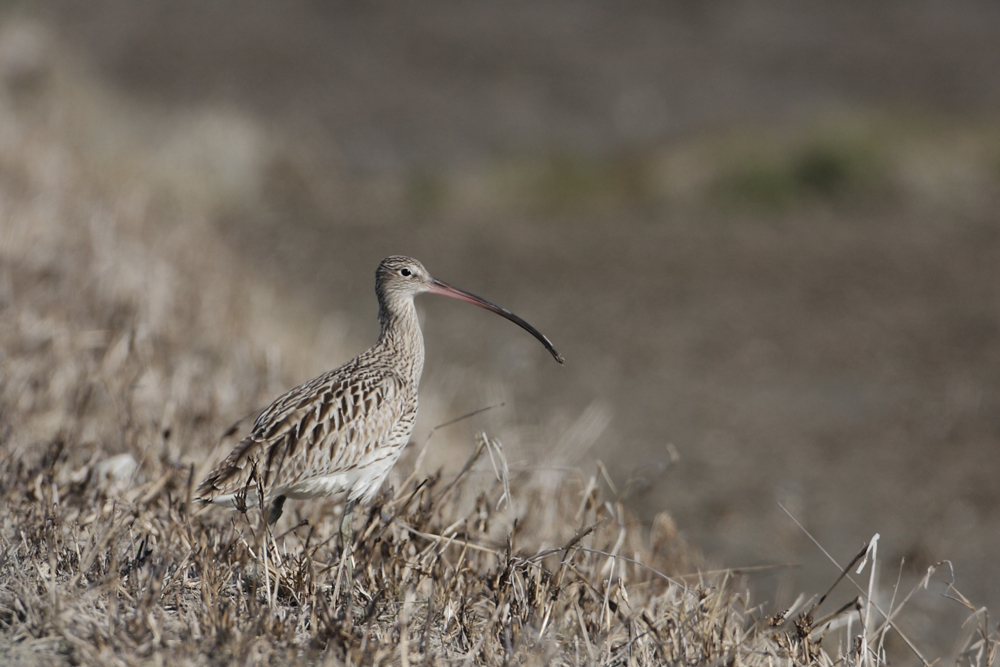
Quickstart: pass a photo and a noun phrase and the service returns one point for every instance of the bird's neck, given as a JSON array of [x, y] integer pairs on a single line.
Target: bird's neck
[[401, 338]]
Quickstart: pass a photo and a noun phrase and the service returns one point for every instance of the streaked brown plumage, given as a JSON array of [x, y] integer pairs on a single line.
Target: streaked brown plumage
[[344, 430]]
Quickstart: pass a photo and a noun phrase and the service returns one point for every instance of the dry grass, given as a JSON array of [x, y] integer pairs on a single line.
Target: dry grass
[[128, 340]]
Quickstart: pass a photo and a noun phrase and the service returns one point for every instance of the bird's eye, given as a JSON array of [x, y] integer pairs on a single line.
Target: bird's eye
[[405, 273]]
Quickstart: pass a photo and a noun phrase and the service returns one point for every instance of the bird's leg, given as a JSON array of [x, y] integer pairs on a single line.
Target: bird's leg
[[276, 508], [263, 534], [347, 540], [347, 524]]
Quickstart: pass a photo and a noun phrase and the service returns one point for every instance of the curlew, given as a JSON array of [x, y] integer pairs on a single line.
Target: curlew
[[344, 430]]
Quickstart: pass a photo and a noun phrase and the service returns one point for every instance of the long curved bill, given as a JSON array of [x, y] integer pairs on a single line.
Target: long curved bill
[[438, 287]]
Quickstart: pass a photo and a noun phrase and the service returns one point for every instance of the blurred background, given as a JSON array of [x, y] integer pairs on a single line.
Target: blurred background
[[765, 236]]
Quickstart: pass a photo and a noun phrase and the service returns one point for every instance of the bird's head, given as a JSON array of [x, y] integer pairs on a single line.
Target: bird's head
[[399, 276], [398, 279]]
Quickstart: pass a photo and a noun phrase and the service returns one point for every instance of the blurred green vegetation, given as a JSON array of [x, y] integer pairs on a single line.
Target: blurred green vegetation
[[572, 182], [857, 160], [766, 170], [825, 164]]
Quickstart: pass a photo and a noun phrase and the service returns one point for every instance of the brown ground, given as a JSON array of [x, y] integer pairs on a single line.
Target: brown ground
[[764, 234]]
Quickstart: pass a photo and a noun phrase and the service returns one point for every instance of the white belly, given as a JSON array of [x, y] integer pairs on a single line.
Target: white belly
[[361, 482]]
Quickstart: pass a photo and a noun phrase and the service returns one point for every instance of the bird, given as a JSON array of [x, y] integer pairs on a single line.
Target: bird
[[344, 430]]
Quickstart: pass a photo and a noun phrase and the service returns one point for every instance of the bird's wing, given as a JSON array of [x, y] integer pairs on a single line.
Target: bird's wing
[[322, 427]]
